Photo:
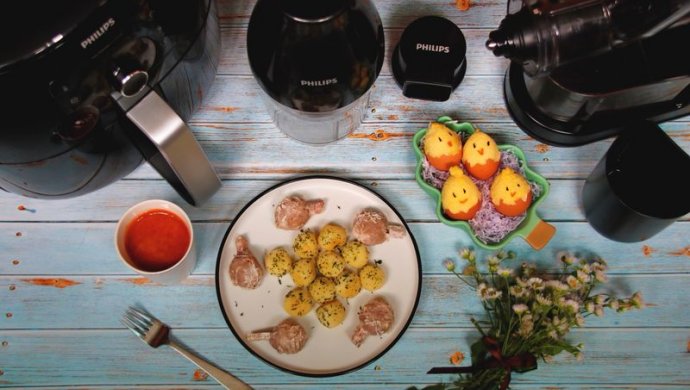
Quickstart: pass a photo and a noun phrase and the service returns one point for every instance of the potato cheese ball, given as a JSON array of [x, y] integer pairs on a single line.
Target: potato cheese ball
[[355, 254], [330, 263], [348, 284], [332, 236], [372, 277], [298, 302], [322, 289], [278, 261], [303, 272], [331, 314], [306, 245]]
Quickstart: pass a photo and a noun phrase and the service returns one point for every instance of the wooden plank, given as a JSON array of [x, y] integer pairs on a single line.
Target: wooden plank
[[376, 151], [480, 61], [87, 248], [82, 358], [562, 204], [237, 99], [68, 301], [482, 13]]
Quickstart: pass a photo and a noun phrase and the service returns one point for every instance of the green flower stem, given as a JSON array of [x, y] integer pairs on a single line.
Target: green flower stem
[[479, 328]]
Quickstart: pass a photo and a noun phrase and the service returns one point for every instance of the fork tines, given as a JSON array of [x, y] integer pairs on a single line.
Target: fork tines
[[137, 321]]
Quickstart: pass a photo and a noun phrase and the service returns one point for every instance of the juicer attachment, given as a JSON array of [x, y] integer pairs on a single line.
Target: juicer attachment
[[580, 70]]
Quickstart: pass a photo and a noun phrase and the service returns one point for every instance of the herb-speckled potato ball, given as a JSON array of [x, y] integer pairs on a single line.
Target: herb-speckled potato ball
[[348, 284], [303, 272], [372, 277], [331, 314], [322, 289], [305, 245], [355, 254], [298, 302], [278, 261], [330, 263], [332, 236]]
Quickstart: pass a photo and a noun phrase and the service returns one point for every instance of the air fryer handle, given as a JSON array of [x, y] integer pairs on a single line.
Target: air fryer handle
[[181, 161]]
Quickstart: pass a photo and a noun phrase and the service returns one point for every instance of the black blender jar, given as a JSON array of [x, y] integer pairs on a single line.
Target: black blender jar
[[316, 62]]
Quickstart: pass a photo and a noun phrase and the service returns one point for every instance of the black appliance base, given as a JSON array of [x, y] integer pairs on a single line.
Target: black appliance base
[[558, 133]]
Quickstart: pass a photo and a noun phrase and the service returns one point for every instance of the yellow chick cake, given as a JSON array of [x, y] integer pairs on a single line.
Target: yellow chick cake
[[480, 155], [442, 146], [510, 192], [460, 197]]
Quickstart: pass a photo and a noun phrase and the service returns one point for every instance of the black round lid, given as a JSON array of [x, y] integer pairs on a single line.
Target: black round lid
[[429, 61], [29, 27]]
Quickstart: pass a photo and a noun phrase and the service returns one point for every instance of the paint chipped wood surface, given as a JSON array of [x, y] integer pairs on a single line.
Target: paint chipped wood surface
[[62, 287]]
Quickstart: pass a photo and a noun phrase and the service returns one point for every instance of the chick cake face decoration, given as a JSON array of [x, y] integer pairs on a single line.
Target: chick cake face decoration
[[460, 197], [442, 146], [480, 155], [510, 192]]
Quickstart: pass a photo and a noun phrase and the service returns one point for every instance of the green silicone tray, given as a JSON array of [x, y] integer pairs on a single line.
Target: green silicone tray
[[533, 229]]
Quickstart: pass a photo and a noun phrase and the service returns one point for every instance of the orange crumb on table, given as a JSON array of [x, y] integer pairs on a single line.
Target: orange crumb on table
[[51, 282], [224, 109], [378, 135], [200, 375], [457, 357], [681, 252], [647, 250], [462, 5], [138, 281], [542, 148]]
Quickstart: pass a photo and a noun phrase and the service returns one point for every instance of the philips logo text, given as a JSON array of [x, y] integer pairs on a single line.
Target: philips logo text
[[434, 48], [91, 39], [318, 83]]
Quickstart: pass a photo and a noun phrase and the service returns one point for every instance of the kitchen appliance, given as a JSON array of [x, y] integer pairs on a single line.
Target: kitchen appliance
[[88, 89], [621, 200], [429, 60], [584, 70], [315, 62]]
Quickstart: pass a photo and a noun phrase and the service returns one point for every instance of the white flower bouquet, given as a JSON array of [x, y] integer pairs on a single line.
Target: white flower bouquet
[[528, 315]]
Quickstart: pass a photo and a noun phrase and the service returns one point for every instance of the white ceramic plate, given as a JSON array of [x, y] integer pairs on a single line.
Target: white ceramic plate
[[328, 352]]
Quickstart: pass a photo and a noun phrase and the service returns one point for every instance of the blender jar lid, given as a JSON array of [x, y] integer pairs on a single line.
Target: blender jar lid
[[429, 61]]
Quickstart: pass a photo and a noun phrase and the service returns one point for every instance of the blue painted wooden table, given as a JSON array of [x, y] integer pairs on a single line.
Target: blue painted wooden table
[[63, 289]]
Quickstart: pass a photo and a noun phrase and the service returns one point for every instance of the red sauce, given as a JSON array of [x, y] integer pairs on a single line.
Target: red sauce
[[156, 240]]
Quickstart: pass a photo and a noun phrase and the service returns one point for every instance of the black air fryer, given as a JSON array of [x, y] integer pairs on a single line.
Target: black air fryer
[[90, 88], [316, 62], [584, 70]]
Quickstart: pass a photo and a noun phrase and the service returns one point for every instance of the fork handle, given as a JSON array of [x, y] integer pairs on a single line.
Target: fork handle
[[223, 377]]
